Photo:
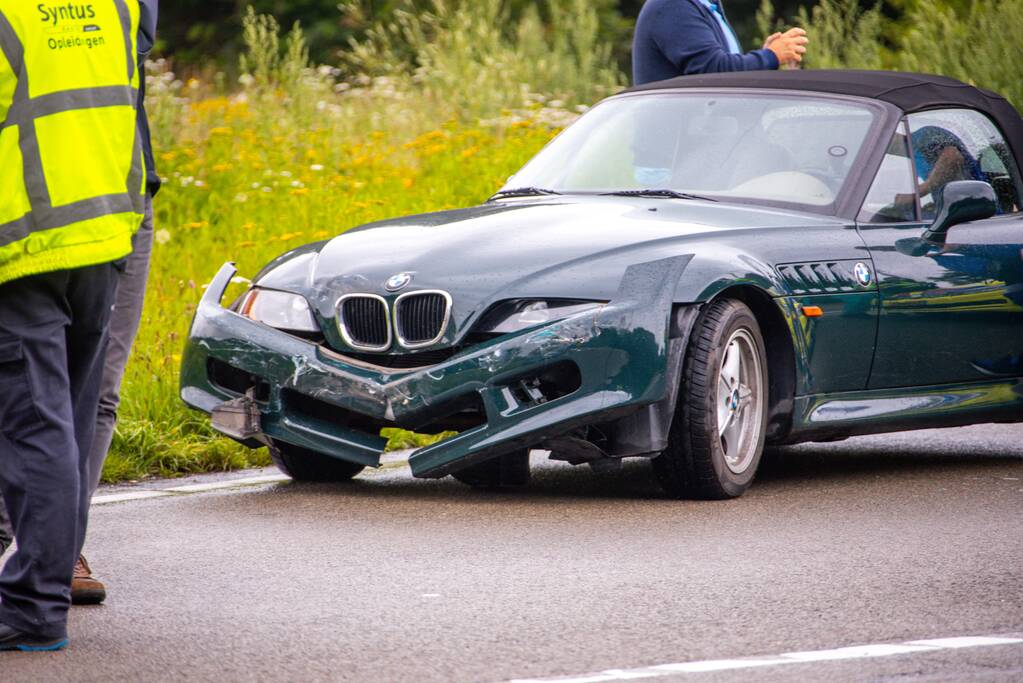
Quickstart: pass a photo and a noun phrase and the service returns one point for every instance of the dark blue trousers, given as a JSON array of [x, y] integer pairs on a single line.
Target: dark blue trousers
[[53, 334]]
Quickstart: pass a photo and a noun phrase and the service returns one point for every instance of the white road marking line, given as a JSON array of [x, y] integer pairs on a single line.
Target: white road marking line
[[131, 495], [855, 652], [396, 457], [189, 488], [714, 665], [967, 641], [836, 654], [229, 484]]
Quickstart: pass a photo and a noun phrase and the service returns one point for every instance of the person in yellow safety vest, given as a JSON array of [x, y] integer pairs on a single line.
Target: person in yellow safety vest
[[125, 317], [71, 196]]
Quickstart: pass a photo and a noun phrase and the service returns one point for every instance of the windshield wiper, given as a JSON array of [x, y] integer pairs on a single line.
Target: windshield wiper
[[523, 192], [671, 194]]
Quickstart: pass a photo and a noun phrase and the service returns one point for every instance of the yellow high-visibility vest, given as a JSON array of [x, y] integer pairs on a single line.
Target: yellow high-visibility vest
[[72, 177]]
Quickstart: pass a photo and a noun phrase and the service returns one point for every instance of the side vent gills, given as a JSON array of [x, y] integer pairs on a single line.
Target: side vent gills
[[822, 277]]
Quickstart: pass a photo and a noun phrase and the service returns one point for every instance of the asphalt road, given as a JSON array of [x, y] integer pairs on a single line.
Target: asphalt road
[[874, 540]]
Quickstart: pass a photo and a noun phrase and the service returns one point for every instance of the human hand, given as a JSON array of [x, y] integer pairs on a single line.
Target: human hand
[[788, 47], [771, 38]]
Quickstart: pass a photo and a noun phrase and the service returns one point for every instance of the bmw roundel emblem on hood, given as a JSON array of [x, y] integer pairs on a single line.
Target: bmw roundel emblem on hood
[[863, 275], [399, 281]]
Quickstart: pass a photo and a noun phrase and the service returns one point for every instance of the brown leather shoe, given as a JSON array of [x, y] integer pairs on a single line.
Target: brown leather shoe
[[85, 588]]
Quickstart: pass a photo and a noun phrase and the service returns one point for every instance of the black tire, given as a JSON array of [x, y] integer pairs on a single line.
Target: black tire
[[694, 465], [510, 470], [303, 464]]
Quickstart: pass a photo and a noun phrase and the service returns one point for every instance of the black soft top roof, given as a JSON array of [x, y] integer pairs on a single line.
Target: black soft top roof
[[910, 92]]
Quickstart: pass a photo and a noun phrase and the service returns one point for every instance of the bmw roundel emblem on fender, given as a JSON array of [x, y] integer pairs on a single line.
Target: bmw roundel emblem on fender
[[863, 275], [399, 281]]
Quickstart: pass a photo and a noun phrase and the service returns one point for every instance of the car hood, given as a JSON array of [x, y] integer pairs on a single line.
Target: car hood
[[562, 247]]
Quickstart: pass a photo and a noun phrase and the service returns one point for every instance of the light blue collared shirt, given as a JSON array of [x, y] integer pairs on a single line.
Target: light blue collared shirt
[[733, 41]]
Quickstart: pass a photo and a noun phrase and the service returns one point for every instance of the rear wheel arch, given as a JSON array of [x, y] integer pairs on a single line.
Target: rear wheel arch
[[781, 355]]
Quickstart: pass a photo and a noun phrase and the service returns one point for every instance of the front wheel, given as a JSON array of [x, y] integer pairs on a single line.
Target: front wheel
[[717, 436], [303, 464]]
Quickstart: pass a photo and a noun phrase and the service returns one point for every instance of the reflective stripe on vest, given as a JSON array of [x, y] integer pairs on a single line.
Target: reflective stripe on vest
[[84, 229]]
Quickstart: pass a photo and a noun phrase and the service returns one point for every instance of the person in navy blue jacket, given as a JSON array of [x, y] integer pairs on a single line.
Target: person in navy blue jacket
[[682, 37]]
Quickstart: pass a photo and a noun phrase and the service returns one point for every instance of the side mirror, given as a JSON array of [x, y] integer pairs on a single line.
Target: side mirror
[[962, 201]]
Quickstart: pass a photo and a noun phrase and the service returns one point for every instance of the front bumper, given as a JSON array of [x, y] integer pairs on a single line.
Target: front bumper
[[620, 351]]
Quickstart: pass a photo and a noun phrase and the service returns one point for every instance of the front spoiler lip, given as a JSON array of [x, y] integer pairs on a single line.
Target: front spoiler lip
[[620, 350]]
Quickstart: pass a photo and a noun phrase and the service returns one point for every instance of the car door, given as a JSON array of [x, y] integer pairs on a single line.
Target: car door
[[950, 312]]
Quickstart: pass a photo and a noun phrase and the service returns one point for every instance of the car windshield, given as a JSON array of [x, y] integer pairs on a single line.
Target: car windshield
[[770, 149]]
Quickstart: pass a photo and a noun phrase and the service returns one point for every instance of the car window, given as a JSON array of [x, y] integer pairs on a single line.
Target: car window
[[757, 148], [961, 144], [892, 196]]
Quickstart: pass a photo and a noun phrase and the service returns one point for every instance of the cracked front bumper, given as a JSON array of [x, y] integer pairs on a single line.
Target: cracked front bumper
[[620, 351]]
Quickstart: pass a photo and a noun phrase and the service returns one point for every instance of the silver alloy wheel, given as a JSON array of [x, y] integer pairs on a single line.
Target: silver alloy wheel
[[740, 401]]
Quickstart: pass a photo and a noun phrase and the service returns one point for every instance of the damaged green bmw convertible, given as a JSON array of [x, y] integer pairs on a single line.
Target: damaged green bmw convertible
[[693, 270]]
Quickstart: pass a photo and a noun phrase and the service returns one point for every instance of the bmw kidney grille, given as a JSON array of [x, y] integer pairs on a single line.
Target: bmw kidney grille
[[421, 317], [363, 321]]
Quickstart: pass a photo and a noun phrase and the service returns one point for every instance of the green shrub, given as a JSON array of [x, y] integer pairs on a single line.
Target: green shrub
[[982, 45], [978, 42], [844, 35], [473, 61]]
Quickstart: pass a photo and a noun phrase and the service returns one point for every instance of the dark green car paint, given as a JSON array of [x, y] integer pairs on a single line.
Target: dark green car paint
[[950, 312], [934, 338]]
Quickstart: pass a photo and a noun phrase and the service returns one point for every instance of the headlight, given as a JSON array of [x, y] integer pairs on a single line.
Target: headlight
[[515, 316], [281, 310]]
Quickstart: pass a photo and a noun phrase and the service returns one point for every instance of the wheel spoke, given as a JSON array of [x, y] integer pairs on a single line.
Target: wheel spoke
[[725, 420], [732, 435], [731, 366], [723, 400], [724, 392]]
